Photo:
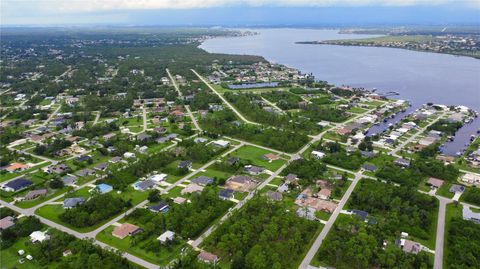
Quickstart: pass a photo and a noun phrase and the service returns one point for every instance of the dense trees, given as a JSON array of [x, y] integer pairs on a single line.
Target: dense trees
[[463, 243], [401, 208], [22, 228], [449, 128], [307, 170], [284, 100], [84, 254], [353, 244], [52, 148], [472, 195], [224, 123], [93, 211], [262, 235]]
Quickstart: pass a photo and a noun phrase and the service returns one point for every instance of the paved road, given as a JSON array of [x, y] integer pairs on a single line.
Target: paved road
[[144, 114], [174, 83], [438, 262], [97, 117], [313, 249], [224, 100], [194, 120]]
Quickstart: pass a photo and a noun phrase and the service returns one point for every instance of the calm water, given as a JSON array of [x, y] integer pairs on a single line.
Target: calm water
[[419, 77]]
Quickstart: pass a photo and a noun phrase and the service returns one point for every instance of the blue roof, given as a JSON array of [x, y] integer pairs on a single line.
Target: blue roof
[[226, 193], [104, 188], [160, 207], [18, 184]]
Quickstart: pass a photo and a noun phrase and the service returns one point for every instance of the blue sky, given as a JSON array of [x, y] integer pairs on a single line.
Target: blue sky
[[239, 12]]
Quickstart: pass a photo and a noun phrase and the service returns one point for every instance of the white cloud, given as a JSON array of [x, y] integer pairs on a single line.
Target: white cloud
[[78, 6]]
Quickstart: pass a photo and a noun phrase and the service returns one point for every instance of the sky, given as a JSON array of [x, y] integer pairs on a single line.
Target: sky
[[239, 12]]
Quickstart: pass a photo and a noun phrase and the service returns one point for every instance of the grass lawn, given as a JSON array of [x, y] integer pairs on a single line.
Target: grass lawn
[[444, 190], [163, 257], [255, 156], [83, 192], [175, 192], [7, 176], [357, 110], [210, 172], [332, 135], [277, 181], [9, 257], [51, 194], [322, 215]]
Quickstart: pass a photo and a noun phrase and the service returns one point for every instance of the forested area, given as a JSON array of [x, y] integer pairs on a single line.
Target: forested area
[[262, 235], [95, 210], [24, 227], [283, 99], [353, 244], [398, 209], [251, 106], [52, 148], [221, 123], [449, 128], [49, 253], [463, 246], [307, 170], [472, 196], [338, 156]]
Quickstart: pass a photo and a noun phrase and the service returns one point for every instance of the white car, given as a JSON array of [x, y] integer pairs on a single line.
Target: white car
[[21, 252], [29, 257]]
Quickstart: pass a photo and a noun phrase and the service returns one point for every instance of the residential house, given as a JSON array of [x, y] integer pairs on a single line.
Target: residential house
[[16, 167], [191, 188], [85, 172], [468, 214], [254, 170], [160, 207], [402, 162], [38, 236], [409, 246], [35, 194], [232, 160], [324, 194], [125, 230], [471, 178], [317, 154], [179, 200], [241, 183], [221, 143], [185, 165], [57, 169], [435, 182], [69, 203], [283, 188], [306, 212], [270, 157], [157, 178], [208, 257], [202, 180], [69, 180], [369, 167], [144, 185], [456, 188], [274, 196], [103, 188], [166, 236], [226, 194], [115, 159], [7, 222], [16, 184], [101, 166]]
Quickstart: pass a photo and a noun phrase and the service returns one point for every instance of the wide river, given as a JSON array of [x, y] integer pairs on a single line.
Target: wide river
[[418, 77]]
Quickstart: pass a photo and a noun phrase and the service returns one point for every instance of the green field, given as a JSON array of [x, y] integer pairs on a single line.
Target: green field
[[255, 156]]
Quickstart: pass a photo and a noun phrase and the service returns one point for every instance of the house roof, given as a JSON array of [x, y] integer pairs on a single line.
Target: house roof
[[275, 196], [7, 222], [254, 169], [207, 256], [161, 206], [69, 179], [73, 202], [202, 180], [270, 156], [103, 188], [125, 229], [191, 188], [435, 182], [144, 184], [16, 166], [456, 188], [18, 184], [226, 193], [35, 193], [167, 235]]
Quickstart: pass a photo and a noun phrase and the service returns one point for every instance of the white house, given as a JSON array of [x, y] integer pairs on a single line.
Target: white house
[[166, 236], [221, 143], [129, 155], [318, 154], [39, 236], [157, 178]]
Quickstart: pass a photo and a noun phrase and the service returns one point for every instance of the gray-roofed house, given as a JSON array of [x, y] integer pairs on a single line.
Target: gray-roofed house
[[17, 184], [369, 167], [203, 180], [254, 170], [160, 207], [101, 166], [73, 202], [402, 162], [115, 159], [7, 222], [226, 194], [143, 137], [185, 164], [144, 185], [69, 180], [456, 188], [85, 172], [283, 187], [35, 194], [274, 196]]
